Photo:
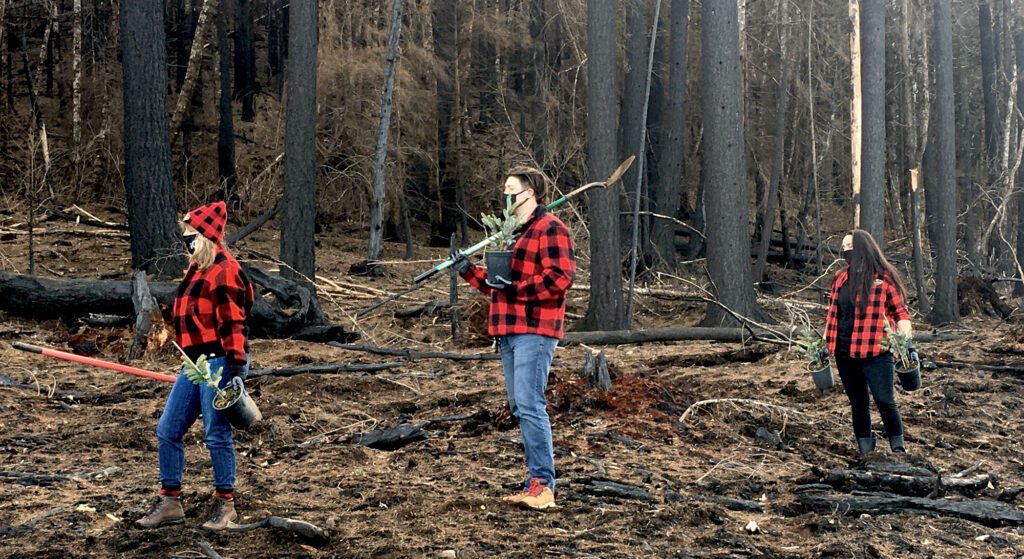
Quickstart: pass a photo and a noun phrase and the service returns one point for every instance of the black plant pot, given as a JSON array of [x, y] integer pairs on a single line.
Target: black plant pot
[[910, 379], [822, 377], [240, 410], [499, 265]]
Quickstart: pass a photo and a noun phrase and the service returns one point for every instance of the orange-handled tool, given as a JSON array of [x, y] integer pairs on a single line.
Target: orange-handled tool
[[94, 362]]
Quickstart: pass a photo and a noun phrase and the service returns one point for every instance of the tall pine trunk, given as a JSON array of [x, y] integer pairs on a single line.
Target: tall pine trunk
[[376, 243], [152, 213], [725, 165], [766, 220], [226, 129], [666, 192], [245, 60], [298, 213], [872, 192], [944, 204], [605, 309]]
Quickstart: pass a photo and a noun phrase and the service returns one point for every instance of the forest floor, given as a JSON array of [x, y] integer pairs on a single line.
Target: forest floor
[[442, 493]]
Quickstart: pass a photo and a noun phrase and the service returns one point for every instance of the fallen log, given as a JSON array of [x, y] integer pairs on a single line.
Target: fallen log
[[392, 438], [31, 523], [742, 505], [981, 366], [313, 534], [282, 307], [986, 512], [607, 488], [412, 354], [615, 337], [46, 480], [324, 369]]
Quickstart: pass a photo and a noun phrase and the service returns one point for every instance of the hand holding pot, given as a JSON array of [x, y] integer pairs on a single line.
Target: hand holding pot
[[912, 355], [500, 284]]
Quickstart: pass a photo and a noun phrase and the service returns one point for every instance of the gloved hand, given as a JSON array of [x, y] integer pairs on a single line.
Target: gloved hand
[[912, 353], [500, 284], [234, 370], [822, 355], [459, 262]]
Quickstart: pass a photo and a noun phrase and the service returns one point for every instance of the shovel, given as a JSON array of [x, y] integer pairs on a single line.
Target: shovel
[[94, 362], [421, 279]]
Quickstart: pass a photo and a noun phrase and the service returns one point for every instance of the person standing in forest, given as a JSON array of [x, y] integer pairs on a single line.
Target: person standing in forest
[[527, 315], [210, 310], [866, 296]]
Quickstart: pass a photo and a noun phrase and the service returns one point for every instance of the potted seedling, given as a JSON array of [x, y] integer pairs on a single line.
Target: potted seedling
[[232, 400], [814, 347], [907, 370], [503, 230]]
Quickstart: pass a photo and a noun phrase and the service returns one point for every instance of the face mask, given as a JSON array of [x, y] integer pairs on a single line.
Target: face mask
[[190, 242], [848, 256], [510, 199]]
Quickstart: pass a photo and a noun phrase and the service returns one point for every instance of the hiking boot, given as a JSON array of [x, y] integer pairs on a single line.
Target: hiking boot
[[515, 498], [167, 510], [539, 496], [222, 515]]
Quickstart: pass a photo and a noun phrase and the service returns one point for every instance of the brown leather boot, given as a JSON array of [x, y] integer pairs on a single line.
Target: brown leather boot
[[167, 510], [222, 514]]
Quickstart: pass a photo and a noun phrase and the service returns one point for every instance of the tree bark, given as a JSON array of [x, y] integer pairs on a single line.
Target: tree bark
[[152, 213], [298, 220], [226, 128], [856, 109], [725, 161], [245, 60], [766, 220], [376, 242], [872, 193], [666, 191], [944, 190], [1018, 42], [988, 84], [605, 308], [915, 101], [631, 121], [76, 72]]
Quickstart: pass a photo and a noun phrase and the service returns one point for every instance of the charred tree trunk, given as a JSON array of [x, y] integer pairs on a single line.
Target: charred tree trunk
[[1018, 43], [766, 220], [605, 308], [872, 194], [226, 128], [276, 41], [725, 161], [449, 214], [152, 213], [666, 191], [245, 59], [298, 221], [631, 121], [944, 187], [195, 60]]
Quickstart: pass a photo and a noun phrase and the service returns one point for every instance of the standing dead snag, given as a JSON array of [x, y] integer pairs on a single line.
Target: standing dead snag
[[147, 317], [595, 370]]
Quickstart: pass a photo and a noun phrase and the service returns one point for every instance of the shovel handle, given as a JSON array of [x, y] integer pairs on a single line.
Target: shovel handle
[[94, 362]]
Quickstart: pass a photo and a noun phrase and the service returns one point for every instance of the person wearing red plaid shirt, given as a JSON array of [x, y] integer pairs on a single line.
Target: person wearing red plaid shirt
[[866, 296], [209, 313], [527, 315]]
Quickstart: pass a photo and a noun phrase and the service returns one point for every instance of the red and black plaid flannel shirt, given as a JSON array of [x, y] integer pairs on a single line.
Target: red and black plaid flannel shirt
[[884, 303], [543, 267], [210, 310]]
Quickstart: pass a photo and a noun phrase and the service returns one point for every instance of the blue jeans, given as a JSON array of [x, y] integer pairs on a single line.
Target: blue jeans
[[185, 403], [874, 375], [526, 361]]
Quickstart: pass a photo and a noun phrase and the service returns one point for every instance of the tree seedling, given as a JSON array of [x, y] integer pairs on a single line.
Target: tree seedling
[[504, 227], [897, 344], [814, 347], [199, 372]]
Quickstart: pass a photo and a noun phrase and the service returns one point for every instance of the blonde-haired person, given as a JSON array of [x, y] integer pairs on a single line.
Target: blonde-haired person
[[210, 310]]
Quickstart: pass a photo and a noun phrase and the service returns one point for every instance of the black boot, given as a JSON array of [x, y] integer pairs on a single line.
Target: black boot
[[865, 445], [896, 444]]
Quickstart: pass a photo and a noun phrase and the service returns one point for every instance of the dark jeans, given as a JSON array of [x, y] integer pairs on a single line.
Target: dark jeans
[[874, 374]]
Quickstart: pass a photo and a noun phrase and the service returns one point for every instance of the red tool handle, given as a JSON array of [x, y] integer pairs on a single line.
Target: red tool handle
[[94, 362]]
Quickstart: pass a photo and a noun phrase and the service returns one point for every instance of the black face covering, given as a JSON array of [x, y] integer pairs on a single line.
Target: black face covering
[[190, 242], [510, 199], [848, 256]]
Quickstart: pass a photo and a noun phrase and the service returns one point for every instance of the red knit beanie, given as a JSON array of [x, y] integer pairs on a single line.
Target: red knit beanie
[[209, 220]]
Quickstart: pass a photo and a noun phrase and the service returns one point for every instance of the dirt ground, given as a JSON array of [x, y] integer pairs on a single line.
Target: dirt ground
[[443, 493]]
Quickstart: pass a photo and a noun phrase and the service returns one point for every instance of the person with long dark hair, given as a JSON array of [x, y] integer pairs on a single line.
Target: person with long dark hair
[[867, 298]]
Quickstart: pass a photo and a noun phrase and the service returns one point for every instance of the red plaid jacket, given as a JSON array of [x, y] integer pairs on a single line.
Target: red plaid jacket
[[884, 303], [210, 310], [543, 267]]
